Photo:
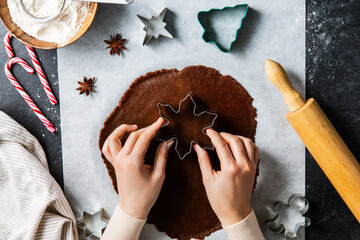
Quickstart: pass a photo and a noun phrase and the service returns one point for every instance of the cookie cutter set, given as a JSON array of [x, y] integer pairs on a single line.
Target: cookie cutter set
[[51, 17], [155, 26], [92, 223], [289, 217], [175, 138]]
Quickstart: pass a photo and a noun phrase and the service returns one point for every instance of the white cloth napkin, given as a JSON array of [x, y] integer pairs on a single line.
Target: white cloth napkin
[[32, 204]]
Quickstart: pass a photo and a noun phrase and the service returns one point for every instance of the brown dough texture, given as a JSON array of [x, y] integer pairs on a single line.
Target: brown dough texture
[[182, 210], [185, 117]]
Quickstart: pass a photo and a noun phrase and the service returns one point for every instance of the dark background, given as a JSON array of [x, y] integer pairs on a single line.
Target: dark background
[[332, 78], [13, 104]]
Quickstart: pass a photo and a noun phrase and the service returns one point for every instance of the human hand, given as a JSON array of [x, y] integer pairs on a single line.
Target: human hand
[[229, 190], [138, 184]]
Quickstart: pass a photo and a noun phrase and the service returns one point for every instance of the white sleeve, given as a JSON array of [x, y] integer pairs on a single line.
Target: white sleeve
[[246, 229], [123, 227]]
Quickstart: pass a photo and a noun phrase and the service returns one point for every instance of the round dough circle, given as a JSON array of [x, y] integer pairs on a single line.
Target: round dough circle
[[182, 210]]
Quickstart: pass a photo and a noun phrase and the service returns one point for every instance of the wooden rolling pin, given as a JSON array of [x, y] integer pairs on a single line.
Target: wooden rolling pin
[[321, 139]]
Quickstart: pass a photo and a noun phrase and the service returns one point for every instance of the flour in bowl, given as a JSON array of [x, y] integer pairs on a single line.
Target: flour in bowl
[[59, 30]]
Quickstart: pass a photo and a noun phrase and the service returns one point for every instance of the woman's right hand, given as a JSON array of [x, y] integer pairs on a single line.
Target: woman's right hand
[[139, 184], [229, 190]]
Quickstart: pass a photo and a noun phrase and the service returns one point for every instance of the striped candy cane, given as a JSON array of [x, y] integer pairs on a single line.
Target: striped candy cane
[[36, 63], [22, 92], [41, 75], [7, 44]]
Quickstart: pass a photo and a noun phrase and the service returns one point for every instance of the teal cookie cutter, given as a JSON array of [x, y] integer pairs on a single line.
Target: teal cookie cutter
[[209, 21]]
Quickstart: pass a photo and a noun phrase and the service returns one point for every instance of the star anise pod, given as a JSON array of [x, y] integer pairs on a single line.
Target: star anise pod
[[86, 86], [115, 44]]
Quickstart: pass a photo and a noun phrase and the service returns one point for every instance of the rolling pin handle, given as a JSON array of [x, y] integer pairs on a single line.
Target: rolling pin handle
[[277, 75], [321, 139]]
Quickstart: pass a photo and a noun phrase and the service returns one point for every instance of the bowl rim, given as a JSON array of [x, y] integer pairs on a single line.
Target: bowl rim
[[54, 44]]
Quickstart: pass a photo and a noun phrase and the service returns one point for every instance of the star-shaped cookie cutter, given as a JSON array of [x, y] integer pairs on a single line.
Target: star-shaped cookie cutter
[[155, 27], [299, 204], [195, 114], [98, 216]]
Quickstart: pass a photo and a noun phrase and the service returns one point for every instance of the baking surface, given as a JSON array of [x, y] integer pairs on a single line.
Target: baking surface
[[264, 35], [337, 20]]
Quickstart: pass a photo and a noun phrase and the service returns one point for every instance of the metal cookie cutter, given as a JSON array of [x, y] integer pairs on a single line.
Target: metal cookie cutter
[[155, 27], [289, 217], [93, 223], [214, 26], [175, 138]]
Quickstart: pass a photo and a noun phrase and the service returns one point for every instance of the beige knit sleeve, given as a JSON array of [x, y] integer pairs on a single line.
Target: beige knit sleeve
[[123, 226], [246, 229]]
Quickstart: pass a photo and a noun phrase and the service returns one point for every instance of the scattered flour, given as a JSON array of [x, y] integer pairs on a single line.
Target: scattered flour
[[59, 30]]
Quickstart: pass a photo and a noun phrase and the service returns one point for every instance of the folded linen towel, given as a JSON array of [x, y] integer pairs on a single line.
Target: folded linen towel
[[32, 204]]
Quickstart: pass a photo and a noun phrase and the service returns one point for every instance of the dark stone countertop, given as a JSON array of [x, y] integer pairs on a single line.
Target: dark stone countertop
[[333, 79], [13, 104]]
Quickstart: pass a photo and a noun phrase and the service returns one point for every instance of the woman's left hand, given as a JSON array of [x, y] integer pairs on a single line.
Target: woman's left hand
[[138, 184]]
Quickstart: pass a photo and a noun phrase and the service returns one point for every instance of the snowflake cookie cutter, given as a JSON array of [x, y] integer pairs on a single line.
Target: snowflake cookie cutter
[[92, 223], [295, 209], [176, 140], [210, 36], [155, 27]]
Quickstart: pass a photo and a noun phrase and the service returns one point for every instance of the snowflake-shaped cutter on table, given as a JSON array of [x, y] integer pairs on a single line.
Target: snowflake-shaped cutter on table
[[295, 209], [175, 137], [92, 223]]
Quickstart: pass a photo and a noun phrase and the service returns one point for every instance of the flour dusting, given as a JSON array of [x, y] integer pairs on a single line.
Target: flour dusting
[[59, 30]]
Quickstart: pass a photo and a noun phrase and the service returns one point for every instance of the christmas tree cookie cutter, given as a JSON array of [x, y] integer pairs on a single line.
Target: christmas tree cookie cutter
[[209, 21], [92, 223], [213, 116], [289, 217], [155, 27]]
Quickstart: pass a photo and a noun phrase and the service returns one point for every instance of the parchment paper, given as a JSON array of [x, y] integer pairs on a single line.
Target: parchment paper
[[272, 29]]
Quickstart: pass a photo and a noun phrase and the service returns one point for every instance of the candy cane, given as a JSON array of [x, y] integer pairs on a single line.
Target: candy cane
[[36, 63], [41, 75], [22, 92], [7, 44]]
